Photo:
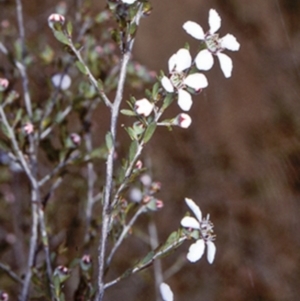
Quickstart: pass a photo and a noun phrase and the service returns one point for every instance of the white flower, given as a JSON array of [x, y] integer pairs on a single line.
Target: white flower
[[62, 81], [178, 63], [205, 228], [215, 45], [183, 120], [128, 1], [143, 107], [166, 292]]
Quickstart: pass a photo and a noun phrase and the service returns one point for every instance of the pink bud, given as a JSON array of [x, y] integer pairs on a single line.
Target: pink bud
[[143, 107], [86, 259], [159, 204], [28, 128], [139, 164], [56, 19], [76, 139], [4, 296], [3, 84], [183, 120]]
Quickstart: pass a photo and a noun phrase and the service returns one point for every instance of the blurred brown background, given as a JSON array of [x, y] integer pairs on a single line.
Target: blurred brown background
[[240, 159]]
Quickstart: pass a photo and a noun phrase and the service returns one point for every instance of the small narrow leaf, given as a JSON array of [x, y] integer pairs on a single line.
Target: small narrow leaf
[[60, 36], [132, 150], [109, 141], [81, 67], [69, 28], [149, 132], [128, 112]]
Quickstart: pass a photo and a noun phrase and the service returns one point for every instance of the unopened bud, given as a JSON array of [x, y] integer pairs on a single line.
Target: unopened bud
[[183, 120], [3, 84], [62, 272], [76, 139], [139, 164], [159, 204], [56, 19], [28, 128], [4, 296], [85, 262], [155, 187]]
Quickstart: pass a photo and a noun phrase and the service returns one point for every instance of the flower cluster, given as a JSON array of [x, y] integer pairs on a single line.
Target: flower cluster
[[183, 78], [204, 228]]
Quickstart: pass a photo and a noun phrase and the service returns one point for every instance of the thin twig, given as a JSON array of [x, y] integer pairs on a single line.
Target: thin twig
[[124, 233], [90, 75], [158, 276], [10, 273], [106, 213], [32, 248], [90, 182], [21, 65], [146, 263]]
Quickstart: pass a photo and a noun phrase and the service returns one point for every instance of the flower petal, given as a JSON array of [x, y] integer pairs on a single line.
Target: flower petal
[[211, 251], [204, 60], [167, 84], [229, 42], [172, 62], [184, 100], [214, 21], [143, 107], [190, 222], [195, 208], [128, 1], [225, 64], [196, 250], [194, 29], [183, 60], [166, 292], [196, 81]]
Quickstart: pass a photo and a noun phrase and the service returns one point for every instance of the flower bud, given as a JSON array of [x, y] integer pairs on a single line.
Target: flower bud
[[55, 20], [143, 107], [28, 128], [76, 139], [61, 81], [4, 296], [159, 204], [62, 272], [3, 84], [139, 164], [183, 120], [86, 262]]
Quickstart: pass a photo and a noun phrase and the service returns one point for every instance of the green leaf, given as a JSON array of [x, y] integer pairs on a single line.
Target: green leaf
[[155, 90], [132, 150], [109, 141], [81, 67], [70, 28], [128, 112], [60, 36], [149, 132], [167, 101], [131, 133]]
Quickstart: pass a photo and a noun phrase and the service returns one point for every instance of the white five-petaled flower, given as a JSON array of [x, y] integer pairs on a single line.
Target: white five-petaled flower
[[215, 45], [178, 80], [205, 228]]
